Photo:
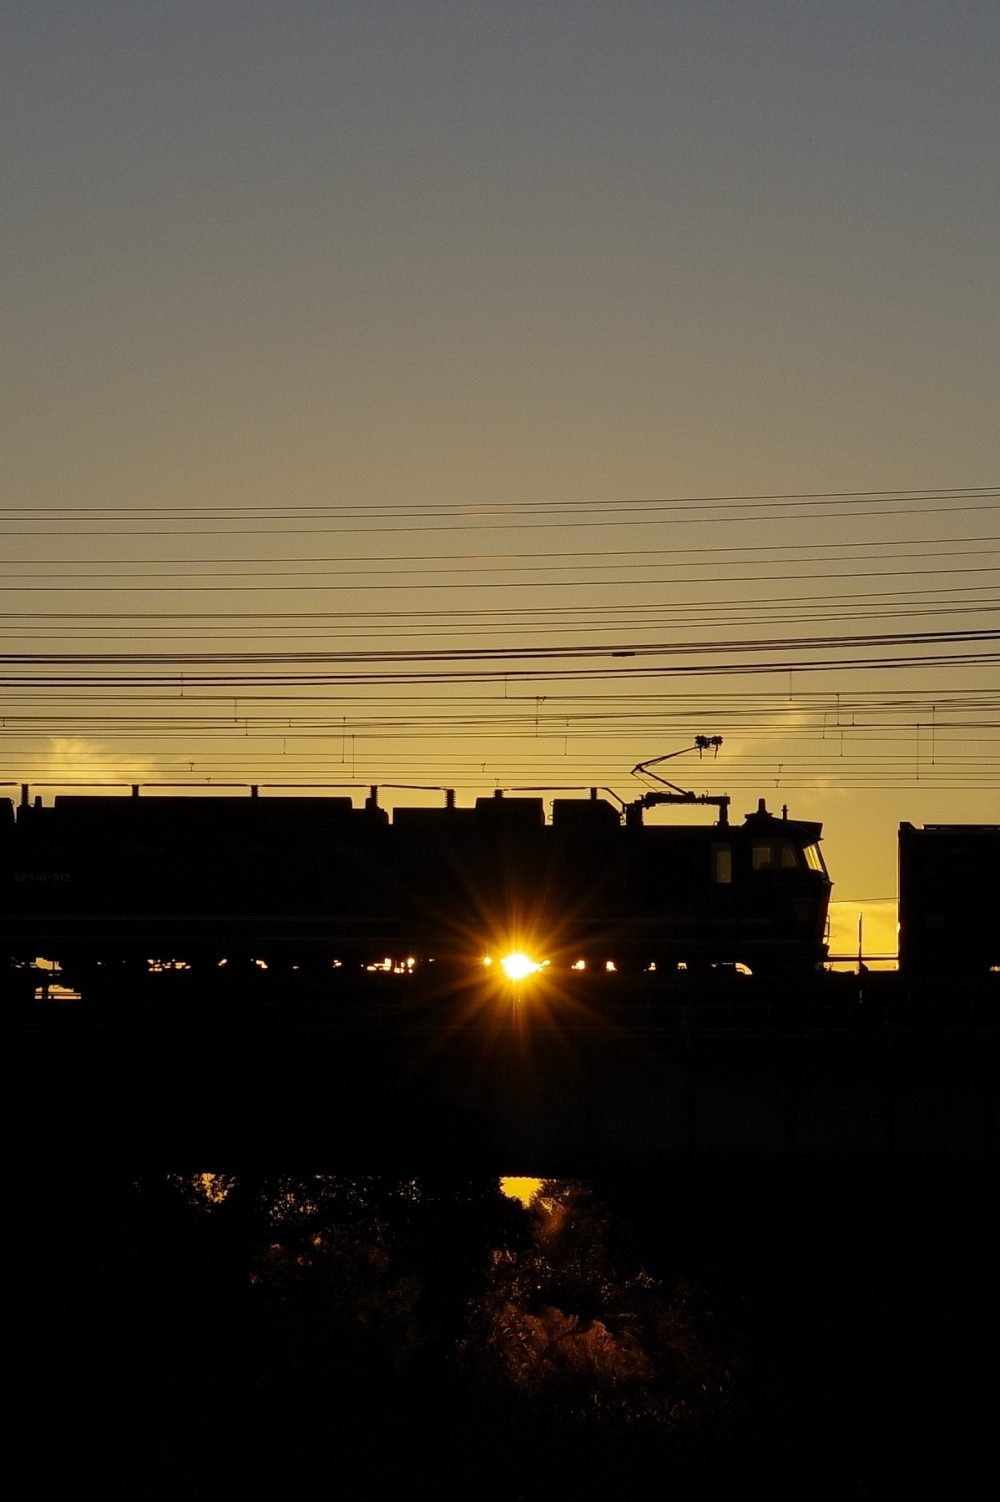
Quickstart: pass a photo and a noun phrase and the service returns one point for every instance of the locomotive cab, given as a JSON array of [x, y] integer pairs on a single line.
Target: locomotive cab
[[787, 890], [755, 895]]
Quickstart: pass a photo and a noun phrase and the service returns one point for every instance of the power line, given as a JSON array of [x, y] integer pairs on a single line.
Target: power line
[[506, 508], [491, 654], [903, 573], [497, 558], [450, 525]]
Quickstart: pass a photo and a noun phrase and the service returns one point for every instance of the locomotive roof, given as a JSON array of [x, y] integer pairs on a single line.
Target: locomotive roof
[[583, 815]]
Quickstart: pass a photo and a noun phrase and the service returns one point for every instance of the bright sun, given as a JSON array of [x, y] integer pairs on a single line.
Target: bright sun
[[518, 966]]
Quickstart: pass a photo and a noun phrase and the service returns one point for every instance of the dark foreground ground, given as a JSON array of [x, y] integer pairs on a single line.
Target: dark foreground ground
[[269, 1334]]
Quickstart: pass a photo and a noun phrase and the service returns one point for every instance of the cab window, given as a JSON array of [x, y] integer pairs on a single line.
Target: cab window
[[722, 864], [814, 858], [774, 855]]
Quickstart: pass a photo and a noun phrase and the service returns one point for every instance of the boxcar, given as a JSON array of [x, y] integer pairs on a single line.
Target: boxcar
[[949, 899]]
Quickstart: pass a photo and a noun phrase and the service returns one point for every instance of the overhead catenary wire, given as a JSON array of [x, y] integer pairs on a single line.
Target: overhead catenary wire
[[479, 654], [402, 678]]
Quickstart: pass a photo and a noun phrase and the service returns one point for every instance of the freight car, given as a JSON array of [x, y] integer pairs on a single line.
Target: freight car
[[112, 884], [949, 899]]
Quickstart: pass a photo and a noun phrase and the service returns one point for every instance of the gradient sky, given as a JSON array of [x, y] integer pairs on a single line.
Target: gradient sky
[[455, 256]]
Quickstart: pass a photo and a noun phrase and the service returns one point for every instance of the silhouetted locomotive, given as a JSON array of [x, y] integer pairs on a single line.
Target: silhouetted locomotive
[[111, 883]]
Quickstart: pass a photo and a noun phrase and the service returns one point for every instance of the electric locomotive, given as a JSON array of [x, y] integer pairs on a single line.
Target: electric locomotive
[[108, 885]]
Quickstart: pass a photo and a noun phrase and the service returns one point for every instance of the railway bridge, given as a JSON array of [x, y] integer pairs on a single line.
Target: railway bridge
[[541, 1079]]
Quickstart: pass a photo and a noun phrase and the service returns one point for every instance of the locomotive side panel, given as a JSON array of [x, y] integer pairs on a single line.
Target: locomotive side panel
[[96, 879], [671, 911]]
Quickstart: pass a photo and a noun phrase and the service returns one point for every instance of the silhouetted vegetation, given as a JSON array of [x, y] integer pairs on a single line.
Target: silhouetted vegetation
[[255, 1334]]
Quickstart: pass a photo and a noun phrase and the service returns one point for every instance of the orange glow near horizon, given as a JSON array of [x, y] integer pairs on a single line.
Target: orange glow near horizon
[[523, 1189]]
